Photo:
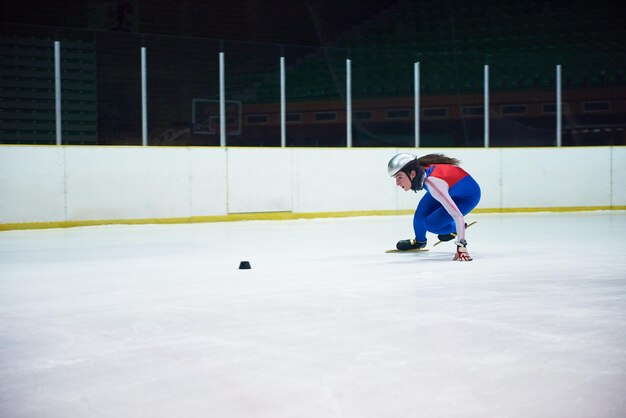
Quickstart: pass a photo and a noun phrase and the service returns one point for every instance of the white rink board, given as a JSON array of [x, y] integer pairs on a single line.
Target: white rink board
[[127, 183], [32, 184], [259, 180], [618, 176], [207, 177], [556, 177], [47, 183], [331, 180]]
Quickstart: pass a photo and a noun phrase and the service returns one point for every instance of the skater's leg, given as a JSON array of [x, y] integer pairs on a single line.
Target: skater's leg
[[425, 207]]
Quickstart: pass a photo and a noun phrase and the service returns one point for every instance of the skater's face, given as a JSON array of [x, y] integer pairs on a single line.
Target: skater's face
[[404, 181]]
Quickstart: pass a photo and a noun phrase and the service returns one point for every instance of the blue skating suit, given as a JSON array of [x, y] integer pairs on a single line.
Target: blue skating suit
[[451, 193]]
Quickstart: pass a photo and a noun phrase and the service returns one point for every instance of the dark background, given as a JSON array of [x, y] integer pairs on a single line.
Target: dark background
[[522, 42]]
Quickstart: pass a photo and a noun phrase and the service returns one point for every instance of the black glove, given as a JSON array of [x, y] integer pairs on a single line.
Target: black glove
[[410, 244]]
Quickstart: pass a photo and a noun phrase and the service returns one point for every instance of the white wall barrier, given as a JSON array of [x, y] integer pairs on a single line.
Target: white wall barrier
[[73, 183]]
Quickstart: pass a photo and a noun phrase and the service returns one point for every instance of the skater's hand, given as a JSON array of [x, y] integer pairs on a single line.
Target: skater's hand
[[461, 251]]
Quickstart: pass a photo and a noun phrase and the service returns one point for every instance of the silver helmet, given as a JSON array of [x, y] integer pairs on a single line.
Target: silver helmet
[[398, 162]]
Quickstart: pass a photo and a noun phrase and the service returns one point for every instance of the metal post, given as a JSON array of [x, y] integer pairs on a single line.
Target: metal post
[[144, 98], [222, 103], [558, 106], [283, 104], [348, 103], [486, 106], [416, 77], [57, 91]]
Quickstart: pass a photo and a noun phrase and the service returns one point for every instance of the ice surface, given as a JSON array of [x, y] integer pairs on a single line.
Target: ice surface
[[158, 321]]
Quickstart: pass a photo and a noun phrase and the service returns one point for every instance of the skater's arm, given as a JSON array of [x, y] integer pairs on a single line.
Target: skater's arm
[[439, 190]]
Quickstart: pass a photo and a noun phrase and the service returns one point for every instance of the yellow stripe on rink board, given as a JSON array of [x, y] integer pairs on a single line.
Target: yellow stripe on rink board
[[233, 217], [274, 216]]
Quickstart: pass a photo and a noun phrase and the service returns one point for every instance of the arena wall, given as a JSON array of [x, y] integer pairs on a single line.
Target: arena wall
[[73, 185]]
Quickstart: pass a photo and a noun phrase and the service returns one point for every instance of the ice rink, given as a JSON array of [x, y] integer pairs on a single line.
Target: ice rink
[[158, 321]]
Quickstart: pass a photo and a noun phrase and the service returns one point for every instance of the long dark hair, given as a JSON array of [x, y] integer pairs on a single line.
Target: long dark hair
[[437, 159]]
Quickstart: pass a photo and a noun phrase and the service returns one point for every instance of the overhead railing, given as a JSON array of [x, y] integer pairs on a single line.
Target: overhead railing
[[283, 105], [300, 96]]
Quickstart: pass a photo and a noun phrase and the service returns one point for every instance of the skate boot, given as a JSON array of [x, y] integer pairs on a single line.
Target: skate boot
[[448, 237], [410, 244]]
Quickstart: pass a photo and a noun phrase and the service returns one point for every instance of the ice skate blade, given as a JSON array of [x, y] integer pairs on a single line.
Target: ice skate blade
[[416, 250]]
